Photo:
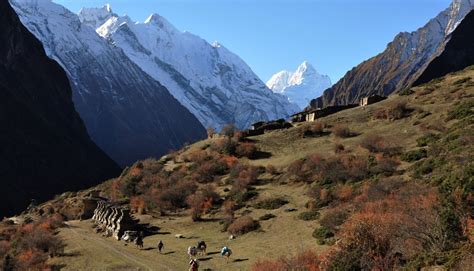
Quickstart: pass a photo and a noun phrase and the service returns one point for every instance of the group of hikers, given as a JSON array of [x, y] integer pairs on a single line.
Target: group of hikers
[[193, 251]]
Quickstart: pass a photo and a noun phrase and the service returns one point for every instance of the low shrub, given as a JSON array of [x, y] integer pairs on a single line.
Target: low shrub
[[461, 81], [329, 171], [201, 202], [378, 144], [423, 114], [426, 91], [426, 166], [321, 196], [242, 176], [306, 260], [228, 130], [339, 148], [427, 139], [334, 217], [341, 131], [246, 149], [309, 215], [271, 169], [210, 132], [267, 217], [322, 233], [314, 129], [406, 92], [385, 165], [414, 155], [224, 146], [243, 225], [270, 204], [462, 110], [394, 111], [240, 197]]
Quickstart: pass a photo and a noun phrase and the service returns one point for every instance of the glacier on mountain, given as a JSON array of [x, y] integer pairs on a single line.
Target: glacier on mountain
[[300, 86]]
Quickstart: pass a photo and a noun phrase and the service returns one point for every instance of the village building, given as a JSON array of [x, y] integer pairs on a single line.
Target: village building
[[371, 100], [313, 114]]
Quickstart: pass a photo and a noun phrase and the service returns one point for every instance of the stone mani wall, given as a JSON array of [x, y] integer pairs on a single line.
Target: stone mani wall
[[113, 220]]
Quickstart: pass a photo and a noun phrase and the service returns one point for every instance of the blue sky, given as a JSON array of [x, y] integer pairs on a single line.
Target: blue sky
[[272, 35]]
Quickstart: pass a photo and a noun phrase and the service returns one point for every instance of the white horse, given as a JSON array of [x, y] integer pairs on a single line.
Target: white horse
[[192, 252]]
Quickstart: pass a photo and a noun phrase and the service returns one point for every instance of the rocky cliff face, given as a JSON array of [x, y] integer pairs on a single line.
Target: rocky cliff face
[[210, 81], [128, 114], [457, 54], [400, 64], [45, 147]]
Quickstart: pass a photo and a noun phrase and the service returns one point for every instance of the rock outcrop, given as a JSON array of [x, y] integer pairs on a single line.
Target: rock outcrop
[[45, 148]]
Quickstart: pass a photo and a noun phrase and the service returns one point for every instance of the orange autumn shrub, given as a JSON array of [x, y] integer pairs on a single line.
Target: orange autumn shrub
[[137, 205], [246, 149], [386, 231], [243, 225]]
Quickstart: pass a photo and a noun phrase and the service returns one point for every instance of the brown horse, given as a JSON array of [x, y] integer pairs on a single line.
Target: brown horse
[[202, 247]]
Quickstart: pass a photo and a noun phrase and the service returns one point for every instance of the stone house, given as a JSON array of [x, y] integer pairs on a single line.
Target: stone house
[[371, 100]]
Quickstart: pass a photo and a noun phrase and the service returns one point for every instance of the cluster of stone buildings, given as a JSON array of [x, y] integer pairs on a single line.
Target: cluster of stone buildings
[[313, 114], [261, 127]]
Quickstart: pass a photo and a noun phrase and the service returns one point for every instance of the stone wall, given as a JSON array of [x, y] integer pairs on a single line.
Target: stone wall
[[113, 220]]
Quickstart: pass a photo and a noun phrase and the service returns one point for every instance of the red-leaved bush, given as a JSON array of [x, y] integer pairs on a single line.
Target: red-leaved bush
[[243, 225]]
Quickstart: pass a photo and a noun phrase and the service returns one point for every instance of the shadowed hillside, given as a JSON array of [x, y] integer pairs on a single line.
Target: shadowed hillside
[[457, 54], [45, 147]]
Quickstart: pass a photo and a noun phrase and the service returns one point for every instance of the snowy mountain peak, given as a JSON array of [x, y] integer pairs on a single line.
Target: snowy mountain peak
[[216, 44], [212, 82], [279, 81], [157, 20], [300, 85], [305, 70], [95, 17]]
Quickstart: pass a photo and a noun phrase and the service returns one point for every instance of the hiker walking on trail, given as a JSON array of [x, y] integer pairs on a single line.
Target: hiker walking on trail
[[139, 242], [161, 246]]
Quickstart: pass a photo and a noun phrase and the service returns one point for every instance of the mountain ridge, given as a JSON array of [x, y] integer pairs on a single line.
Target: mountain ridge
[[399, 64], [130, 115], [216, 85]]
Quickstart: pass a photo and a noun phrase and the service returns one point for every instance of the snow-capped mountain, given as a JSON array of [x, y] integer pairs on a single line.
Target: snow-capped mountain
[[126, 112], [300, 86], [401, 63], [213, 83]]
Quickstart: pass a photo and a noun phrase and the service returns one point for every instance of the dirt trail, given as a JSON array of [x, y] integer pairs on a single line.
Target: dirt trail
[[130, 257]]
